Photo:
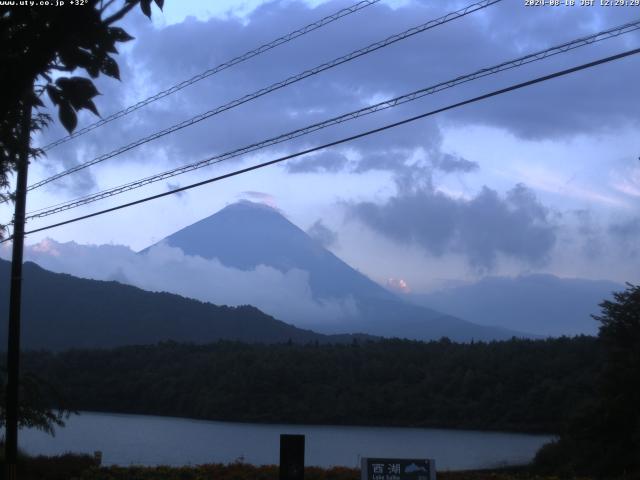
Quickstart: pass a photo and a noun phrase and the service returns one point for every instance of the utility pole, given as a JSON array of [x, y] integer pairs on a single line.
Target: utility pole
[[15, 296]]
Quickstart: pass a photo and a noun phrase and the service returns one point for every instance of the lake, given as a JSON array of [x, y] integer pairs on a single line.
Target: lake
[[149, 440]]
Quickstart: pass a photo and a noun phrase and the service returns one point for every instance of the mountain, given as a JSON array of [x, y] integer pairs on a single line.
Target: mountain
[[245, 234], [60, 311], [540, 304]]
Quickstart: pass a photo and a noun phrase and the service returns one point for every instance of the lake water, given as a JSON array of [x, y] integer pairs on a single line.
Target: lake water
[[148, 440]]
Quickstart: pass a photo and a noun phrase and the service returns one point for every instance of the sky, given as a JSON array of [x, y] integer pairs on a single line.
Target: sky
[[544, 179]]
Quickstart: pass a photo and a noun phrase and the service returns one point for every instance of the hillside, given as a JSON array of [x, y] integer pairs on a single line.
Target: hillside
[[60, 311]]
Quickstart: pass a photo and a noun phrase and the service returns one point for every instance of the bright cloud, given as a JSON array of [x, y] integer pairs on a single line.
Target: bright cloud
[[286, 296]]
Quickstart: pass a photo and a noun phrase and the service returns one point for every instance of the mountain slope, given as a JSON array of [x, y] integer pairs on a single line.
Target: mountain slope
[[245, 235], [60, 311], [540, 304]]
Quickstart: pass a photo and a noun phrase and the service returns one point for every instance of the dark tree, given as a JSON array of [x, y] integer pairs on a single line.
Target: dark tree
[[603, 439], [42, 406], [523, 385], [40, 41], [618, 421]]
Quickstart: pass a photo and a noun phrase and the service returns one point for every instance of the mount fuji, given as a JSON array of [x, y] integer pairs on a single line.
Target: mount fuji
[[246, 235]]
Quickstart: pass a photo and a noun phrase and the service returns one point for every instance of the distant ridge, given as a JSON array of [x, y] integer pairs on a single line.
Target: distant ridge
[[60, 311], [542, 304], [246, 234]]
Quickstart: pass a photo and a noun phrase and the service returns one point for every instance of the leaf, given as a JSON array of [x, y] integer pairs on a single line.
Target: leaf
[[145, 5], [68, 116], [110, 67], [77, 89], [89, 105], [76, 57], [119, 35], [54, 94], [160, 3], [93, 70], [78, 92], [35, 100]]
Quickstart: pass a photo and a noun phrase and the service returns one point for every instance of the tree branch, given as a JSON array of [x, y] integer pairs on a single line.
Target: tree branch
[[105, 6], [120, 14]]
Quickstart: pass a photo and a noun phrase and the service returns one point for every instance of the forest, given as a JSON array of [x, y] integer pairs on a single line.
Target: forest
[[517, 385]]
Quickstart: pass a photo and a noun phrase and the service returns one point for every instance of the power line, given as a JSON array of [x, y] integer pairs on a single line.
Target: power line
[[347, 139], [276, 86], [212, 71], [390, 103]]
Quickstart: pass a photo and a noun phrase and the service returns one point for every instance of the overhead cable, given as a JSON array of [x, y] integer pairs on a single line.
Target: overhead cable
[[276, 86], [390, 103], [218, 68], [344, 140]]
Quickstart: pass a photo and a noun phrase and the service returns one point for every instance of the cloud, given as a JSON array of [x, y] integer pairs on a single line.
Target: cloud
[[481, 228], [327, 161], [322, 234], [589, 233], [628, 181], [382, 160], [174, 186], [261, 197], [285, 295], [451, 163], [627, 233], [393, 159], [555, 111], [161, 57], [627, 229]]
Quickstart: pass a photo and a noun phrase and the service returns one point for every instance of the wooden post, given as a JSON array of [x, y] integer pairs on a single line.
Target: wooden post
[[291, 457], [13, 347]]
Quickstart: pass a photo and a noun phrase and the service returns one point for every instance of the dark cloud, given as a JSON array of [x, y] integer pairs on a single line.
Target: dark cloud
[[393, 160], [589, 233], [452, 163], [329, 161], [626, 234], [175, 186], [481, 228], [322, 234], [627, 229], [79, 183], [160, 58]]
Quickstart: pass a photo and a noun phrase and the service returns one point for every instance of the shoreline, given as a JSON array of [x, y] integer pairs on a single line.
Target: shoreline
[[442, 427]]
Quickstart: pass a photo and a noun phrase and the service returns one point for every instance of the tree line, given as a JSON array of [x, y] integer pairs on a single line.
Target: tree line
[[519, 385]]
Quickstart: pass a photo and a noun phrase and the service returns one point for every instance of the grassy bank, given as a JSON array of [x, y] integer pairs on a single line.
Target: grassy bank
[[83, 467], [246, 472]]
